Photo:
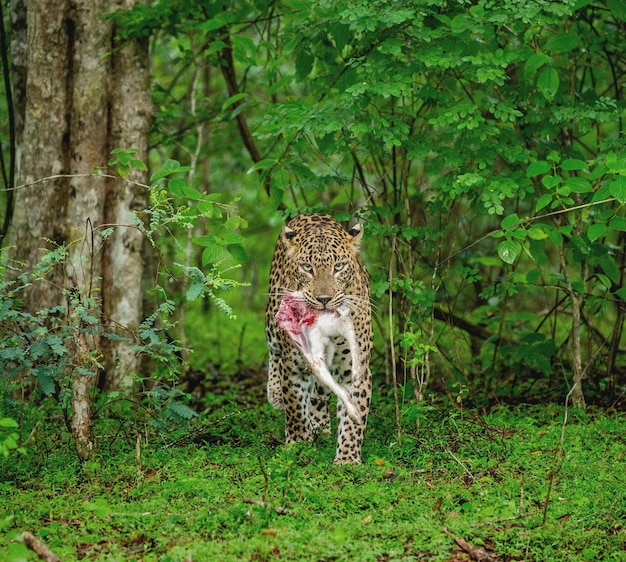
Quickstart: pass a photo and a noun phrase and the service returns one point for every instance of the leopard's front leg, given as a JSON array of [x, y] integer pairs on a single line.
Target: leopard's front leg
[[305, 403], [296, 390], [350, 432]]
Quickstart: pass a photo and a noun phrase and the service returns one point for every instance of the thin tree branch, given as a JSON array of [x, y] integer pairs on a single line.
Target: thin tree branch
[[391, 341], [228, 72]]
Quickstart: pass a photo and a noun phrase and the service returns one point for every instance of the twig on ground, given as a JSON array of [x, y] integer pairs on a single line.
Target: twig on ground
[[478, 554], [278, 509], [39, 548], [461, 464]]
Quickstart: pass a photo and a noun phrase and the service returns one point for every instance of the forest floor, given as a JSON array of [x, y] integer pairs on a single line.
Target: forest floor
[[531, 483]]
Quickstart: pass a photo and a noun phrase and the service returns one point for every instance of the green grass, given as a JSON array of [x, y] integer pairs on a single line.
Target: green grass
[[483, 477]]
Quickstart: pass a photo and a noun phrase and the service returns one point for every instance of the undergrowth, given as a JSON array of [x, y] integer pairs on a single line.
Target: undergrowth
[[517, 482]]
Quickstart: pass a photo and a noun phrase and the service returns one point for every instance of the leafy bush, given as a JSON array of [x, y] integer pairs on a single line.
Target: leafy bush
[[9, 438], [56, 352]]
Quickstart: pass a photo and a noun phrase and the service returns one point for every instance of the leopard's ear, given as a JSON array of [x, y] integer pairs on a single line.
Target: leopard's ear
[[287, 234], [356, 232]]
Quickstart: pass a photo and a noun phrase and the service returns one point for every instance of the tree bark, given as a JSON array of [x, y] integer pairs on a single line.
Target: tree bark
[[40, 210], [126, 250], [84, 96]]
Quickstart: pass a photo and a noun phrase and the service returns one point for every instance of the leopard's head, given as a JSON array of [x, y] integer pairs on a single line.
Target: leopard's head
[[322, 259]]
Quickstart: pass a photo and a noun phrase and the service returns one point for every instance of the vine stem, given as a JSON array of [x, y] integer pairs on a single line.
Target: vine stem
[[391, 341], [558, 454], [94, 174], [578, 398]]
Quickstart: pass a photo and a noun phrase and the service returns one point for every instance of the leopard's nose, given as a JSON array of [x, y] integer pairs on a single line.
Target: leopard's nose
[[324, 300]]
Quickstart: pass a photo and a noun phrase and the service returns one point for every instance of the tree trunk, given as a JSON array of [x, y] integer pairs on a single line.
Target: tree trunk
[[40, 210], [84, 96], [126, 250]]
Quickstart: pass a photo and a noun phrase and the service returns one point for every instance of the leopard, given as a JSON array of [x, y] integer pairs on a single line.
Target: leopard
[[317, 256]]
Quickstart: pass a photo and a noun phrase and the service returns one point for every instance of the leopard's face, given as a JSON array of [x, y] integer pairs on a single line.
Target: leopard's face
[[324, 267]]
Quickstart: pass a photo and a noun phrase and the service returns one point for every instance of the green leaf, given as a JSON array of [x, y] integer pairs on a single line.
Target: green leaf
[[171, 165], [617, 189], [621, 293], [610, 267], [276, 196], [244, 48], [595, 231], [195, 290], [192, 193], [8, 422], [182, 410], [508, 250], [563, 42], [537, 233], [304, 64], [139, 165], [213, 24], [578, 185], [159, 174], [534, 63], [551, 181], [548, 83], [572, 164], [233, 100], [601, 194], [543, 201], [206, 240], [538, 168], [211, 254], [555, 237], [510, 221], [238, 252], [341, 35], [206, 208], [261, 165], [613, 162], [124, 150], [280, 84], [604, 280], [123, 170], [45, 380], [618, 223], [177, 186], [533, 275], [392, 46], [233, 238]]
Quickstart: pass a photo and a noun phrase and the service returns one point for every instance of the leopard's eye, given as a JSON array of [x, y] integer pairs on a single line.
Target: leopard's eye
[[339, 267], [306, 267]]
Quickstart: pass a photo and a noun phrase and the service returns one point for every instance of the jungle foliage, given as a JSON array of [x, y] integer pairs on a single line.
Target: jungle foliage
[[482, 144]]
